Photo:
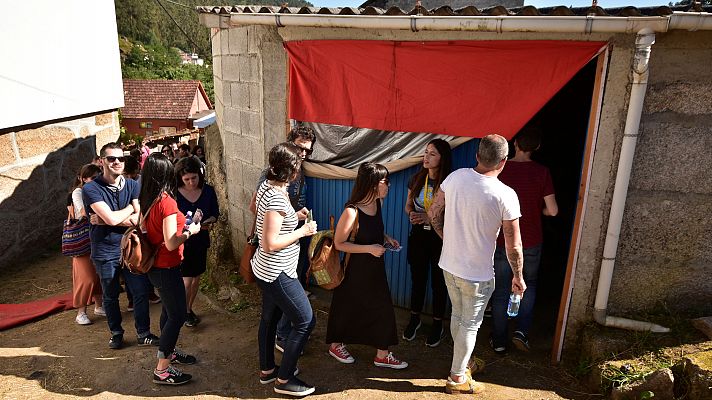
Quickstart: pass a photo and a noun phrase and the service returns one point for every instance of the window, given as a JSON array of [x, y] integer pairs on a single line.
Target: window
[[146, 125]]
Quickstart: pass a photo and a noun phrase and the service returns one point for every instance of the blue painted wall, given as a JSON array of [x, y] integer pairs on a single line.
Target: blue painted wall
[[327, 197]]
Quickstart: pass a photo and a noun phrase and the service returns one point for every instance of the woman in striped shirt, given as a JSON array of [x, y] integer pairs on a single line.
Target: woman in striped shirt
[[275, 267]]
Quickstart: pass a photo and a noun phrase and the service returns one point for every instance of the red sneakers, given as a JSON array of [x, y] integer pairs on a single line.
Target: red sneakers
[[390, 361], [339, 352]]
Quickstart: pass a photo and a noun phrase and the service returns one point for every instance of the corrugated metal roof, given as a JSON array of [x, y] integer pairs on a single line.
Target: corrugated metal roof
[[445, 10]]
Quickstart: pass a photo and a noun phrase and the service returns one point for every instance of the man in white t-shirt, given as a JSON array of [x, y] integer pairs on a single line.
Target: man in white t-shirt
[[478, 204]]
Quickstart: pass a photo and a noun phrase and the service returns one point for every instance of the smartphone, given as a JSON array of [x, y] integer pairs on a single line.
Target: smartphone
[[390, 247], [310, 217], [197, 216]]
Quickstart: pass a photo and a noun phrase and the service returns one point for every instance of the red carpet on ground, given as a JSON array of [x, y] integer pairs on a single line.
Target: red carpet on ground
[[18, 314]]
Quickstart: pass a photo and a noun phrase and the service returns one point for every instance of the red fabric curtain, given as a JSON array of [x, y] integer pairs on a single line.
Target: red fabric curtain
[[459, 88]]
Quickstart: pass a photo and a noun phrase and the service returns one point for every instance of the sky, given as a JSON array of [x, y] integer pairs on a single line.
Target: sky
[[535, 3]]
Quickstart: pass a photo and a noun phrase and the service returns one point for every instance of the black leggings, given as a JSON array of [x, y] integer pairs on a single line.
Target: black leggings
[[169, 283], [424, 247]]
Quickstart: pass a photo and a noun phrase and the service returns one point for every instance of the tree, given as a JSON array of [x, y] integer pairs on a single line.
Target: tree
[[689, 2]]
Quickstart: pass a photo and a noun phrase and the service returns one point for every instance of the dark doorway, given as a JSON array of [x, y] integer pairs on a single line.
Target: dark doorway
[[564, 121]]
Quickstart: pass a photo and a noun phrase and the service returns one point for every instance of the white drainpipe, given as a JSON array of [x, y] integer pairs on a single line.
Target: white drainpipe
[[643, 43], [691, 21]]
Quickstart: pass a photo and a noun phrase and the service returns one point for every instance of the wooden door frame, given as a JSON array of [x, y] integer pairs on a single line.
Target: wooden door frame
[[592, 135]]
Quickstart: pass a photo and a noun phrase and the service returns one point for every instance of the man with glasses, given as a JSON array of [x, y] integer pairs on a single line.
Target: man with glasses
[[304, 138], [112, 201]]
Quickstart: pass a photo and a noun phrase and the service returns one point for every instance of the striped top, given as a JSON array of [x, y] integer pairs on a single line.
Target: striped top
[[268, 265]]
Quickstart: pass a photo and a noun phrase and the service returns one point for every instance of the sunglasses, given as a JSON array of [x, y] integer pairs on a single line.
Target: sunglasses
[[386, 181], [112, 159], [304, 149]]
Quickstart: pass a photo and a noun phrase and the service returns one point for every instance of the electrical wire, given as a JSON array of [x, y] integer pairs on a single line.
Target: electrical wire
[[179, 4], [176, 23]]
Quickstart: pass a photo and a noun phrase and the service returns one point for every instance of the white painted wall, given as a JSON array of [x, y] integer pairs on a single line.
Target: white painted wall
[[59, 59]]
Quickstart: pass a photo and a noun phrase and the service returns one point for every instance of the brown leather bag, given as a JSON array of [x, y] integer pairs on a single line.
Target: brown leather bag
[[247, 253], [245, 271], [325, 261], [137, 253]]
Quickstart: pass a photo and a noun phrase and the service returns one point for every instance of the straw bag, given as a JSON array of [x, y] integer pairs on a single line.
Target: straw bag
[[325, 261]]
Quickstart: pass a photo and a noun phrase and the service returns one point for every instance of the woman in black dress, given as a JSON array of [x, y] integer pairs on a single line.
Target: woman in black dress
[[193, 194], [361, 309]]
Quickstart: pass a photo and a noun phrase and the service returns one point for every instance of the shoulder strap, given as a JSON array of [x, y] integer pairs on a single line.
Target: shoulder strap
[[142, 217], [354, 229], [352, 238], [257, 211]]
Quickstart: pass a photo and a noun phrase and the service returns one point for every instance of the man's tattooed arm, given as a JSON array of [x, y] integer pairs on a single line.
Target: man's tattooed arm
[[436, 213], [513, 244]]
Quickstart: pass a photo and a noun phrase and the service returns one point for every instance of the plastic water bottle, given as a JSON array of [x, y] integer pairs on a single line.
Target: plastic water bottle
[[513, 306]]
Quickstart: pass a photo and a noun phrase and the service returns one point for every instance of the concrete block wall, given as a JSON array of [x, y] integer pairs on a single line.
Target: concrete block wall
[[665, 255], [250, 72], [37, 168]]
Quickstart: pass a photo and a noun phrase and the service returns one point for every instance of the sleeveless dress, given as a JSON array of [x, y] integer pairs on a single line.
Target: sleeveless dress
[[361, 308]]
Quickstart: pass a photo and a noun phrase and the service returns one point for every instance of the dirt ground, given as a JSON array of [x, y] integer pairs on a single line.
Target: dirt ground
[[55, 358]]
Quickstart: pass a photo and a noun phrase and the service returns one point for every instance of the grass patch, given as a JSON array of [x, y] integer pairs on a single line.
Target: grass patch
[[238, 306], [235, 279], [621, 373], [207, 286]]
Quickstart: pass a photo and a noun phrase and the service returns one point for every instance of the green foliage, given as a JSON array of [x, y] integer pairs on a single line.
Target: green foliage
[[206, 285], [688, 2], [620, 373], [582, 368], [150, 40], [235, 279], [239, 306], [147, 22]]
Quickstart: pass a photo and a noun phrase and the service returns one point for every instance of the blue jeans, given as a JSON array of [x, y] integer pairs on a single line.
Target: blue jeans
[[284, 295], [285, 327], [108, 271], [503, 287], [169, 283], [469, 299]]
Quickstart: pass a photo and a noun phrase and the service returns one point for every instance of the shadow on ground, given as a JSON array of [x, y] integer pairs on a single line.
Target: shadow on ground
[[55, 357]]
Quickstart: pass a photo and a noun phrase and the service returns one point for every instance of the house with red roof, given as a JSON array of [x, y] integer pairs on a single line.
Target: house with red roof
[[161, 108]]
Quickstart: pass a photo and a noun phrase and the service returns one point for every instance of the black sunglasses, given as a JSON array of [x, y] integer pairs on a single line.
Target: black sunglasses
[[308, 151], [112, 159]]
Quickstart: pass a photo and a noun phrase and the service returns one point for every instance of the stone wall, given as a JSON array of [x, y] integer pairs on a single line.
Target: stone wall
[[665, 254], [249, 66], [37, 169]]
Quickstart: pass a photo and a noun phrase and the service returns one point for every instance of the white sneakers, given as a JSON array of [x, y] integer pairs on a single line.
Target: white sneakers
[[83, 319]]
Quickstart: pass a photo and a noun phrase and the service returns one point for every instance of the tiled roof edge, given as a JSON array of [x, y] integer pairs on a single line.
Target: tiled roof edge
[[629, 11]]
